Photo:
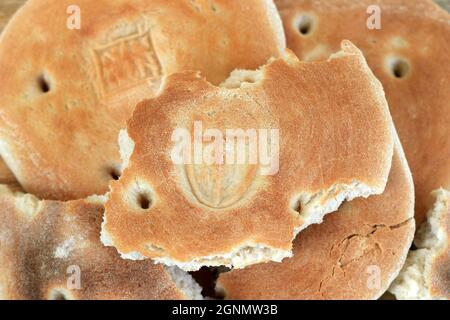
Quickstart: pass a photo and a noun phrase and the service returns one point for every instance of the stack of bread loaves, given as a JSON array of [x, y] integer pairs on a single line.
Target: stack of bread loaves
[[145, 140]]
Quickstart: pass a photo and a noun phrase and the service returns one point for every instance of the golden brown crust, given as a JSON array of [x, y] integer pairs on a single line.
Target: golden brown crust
[[334, 131], [66, 93], [341, 258], [42, 242], [415, 32]]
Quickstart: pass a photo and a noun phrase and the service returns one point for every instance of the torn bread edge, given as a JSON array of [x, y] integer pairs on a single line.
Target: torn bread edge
[[315, 206], [432, 241]]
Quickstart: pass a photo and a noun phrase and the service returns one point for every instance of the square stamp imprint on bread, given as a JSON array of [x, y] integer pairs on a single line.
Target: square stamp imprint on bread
[[126, 63]]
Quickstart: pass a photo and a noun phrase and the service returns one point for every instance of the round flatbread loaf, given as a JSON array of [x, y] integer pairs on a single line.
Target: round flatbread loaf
[[321, 132], [66, 92], [426, 273], [354, 254], [51, 250], [410, 56]]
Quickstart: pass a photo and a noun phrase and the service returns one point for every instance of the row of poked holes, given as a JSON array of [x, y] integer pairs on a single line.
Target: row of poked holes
[[143, 199], [399, 68]]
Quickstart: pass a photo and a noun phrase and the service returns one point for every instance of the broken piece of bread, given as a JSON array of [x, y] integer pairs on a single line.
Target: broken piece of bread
[[71, 80], [354, 254], [335, 143], [426, 273], [409, 53], [51, 250]]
